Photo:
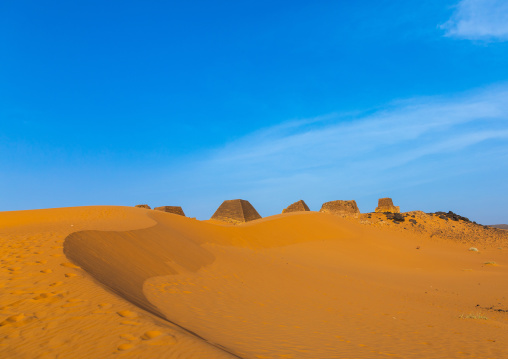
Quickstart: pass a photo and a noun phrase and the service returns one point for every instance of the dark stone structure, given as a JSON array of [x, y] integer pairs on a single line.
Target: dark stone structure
[[452, 216], [171, 209], [386, 205], [299, 206], [235, 211], [145, 206], [343, 208], [396, 217]]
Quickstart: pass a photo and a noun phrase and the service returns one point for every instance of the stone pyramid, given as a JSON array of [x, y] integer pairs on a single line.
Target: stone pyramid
[[299, 206], [171, 209], [343, 208], [386, 205], [145, 206], [235, 211]]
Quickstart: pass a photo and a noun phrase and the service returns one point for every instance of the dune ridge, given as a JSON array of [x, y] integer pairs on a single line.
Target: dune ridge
[[241, 294], [109, 256]]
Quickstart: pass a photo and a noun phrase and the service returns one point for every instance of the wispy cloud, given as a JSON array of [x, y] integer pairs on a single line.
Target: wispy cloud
[[479, 20], [340, 156], [406, 130]]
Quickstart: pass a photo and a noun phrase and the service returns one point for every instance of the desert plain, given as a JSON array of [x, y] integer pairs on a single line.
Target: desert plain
[[124, 282]]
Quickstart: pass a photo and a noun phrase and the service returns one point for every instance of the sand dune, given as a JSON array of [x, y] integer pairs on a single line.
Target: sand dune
[[115, 281], [51, 308]]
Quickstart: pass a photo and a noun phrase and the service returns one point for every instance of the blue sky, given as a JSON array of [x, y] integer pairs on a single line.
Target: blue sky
[[165, 103]]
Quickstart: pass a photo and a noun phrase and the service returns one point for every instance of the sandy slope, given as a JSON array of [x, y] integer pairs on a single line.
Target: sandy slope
[[51, 308], [301, 285]]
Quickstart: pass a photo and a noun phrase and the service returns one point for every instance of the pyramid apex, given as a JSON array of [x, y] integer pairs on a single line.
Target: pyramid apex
[[298, 206], [235, 211]]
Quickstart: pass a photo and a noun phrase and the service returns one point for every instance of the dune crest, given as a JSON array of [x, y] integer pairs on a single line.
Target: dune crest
[[123, 261]]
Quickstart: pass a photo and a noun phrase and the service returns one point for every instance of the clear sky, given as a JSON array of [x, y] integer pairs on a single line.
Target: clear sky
[[192, 103]]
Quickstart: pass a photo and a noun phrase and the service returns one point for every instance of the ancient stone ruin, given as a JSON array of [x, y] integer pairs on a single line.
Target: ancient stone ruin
[[386, 205], [171, 209], [299, 206], [142, 206], [343, 208], [235, 211]]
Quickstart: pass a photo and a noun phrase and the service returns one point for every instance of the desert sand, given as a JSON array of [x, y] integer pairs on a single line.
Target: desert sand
[[106, 281]]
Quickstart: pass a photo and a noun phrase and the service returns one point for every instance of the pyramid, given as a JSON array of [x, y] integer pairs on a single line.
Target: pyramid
[[142, 206], [386, 205], [299, 206], [171, 209], [235, 211], [344, 208]]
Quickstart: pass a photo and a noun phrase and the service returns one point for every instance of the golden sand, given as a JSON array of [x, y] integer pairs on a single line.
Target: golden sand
[[98, 282]]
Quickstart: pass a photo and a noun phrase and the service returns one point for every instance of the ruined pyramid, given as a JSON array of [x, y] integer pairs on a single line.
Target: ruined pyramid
[[386, 205], [145, 206], [235, 211], [342, 208], [298, 206], [171, 209]]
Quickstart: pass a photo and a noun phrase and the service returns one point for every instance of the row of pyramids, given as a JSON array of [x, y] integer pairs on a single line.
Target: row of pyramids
[[240, 211]]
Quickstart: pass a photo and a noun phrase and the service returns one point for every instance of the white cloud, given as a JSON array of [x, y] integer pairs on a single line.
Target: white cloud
[[479, 20], [412, 124]]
